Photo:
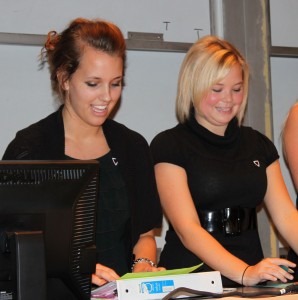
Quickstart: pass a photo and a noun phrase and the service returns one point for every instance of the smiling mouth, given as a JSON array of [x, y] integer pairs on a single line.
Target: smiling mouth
[[99, 108], [224, 109]]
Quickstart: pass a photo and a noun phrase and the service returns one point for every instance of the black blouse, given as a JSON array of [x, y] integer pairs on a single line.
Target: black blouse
[[222, 171]]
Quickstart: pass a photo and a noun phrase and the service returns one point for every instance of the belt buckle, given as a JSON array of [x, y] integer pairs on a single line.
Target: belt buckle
[[231, 222]]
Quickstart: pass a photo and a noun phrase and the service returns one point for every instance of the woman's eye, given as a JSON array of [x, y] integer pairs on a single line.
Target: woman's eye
[[116, 84], [216, 90], [237, 90], [91, 84]]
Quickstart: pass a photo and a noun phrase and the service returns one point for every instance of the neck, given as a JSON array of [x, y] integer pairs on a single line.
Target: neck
[[76, 129]]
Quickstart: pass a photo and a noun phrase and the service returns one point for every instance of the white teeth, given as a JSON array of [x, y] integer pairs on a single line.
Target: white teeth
[[223, 109], [99, 107]]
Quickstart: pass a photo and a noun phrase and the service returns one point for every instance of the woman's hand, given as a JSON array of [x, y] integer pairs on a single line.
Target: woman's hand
[[268, 269], [103, 275], [145, 254], [145, 267]]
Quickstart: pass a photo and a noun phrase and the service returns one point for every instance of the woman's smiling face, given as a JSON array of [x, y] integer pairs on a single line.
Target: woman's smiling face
[[95, 87], [222, 102]]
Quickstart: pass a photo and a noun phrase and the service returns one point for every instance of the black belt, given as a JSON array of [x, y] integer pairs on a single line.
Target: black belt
[[231, 221]]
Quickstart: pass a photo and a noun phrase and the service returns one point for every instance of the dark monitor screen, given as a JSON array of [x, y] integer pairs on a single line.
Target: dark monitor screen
[[53, 202]]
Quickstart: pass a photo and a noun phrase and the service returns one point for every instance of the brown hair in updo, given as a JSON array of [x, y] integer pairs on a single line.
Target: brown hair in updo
[[63, 51]]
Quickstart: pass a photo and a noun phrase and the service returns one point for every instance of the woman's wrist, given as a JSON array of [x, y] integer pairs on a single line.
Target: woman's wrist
[[242, 278], [143, 260]]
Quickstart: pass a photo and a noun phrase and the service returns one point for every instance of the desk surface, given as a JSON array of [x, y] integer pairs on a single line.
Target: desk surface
[[245, 291], [251, 290], [284, 297]]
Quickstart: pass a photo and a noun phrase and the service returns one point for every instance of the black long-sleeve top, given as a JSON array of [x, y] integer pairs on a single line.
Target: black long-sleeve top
[[45, 140]]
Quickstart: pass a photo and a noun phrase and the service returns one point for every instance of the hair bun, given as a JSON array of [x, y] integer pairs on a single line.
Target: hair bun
[[52, 39]]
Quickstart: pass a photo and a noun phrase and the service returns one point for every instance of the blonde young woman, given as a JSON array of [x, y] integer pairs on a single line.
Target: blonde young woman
[[212, 173]]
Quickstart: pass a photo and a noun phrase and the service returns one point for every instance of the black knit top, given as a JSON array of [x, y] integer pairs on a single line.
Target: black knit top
[[222, 171], [45, 140]]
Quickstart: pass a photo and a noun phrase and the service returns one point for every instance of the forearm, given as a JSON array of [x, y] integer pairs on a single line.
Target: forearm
[[289, 229], [145, 248], [212, 252], [214, 255], [280, 206]]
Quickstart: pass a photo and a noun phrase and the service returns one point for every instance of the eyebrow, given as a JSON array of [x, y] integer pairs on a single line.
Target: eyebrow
[[99, 78], [219, 83]]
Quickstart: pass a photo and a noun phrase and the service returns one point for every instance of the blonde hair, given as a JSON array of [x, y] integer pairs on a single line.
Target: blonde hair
[[207, 62]]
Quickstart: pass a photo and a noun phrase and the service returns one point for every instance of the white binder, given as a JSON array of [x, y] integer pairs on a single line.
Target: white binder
[[157, 287]]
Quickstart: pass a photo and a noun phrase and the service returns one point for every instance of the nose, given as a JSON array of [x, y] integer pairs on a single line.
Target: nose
[[228, 97], [106, 99], [106, 94]]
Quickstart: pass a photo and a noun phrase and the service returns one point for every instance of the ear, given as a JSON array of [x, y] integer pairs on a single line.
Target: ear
[[62, 79]]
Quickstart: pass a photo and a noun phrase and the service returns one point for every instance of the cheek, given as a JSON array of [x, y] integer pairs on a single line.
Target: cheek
[[238, 99], [208, 103], [79, 97], [212, 99], [116, 94]]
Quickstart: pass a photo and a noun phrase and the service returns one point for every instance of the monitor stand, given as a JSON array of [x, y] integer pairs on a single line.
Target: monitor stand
[[30, 264]]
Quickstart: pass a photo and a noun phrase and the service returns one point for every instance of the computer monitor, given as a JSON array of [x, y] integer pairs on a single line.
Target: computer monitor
[[47, 227]]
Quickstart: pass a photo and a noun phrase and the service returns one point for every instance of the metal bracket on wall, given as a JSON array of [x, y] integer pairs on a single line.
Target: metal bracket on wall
[[277, 51], [22, 39], [139, 41], [146, 41]]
